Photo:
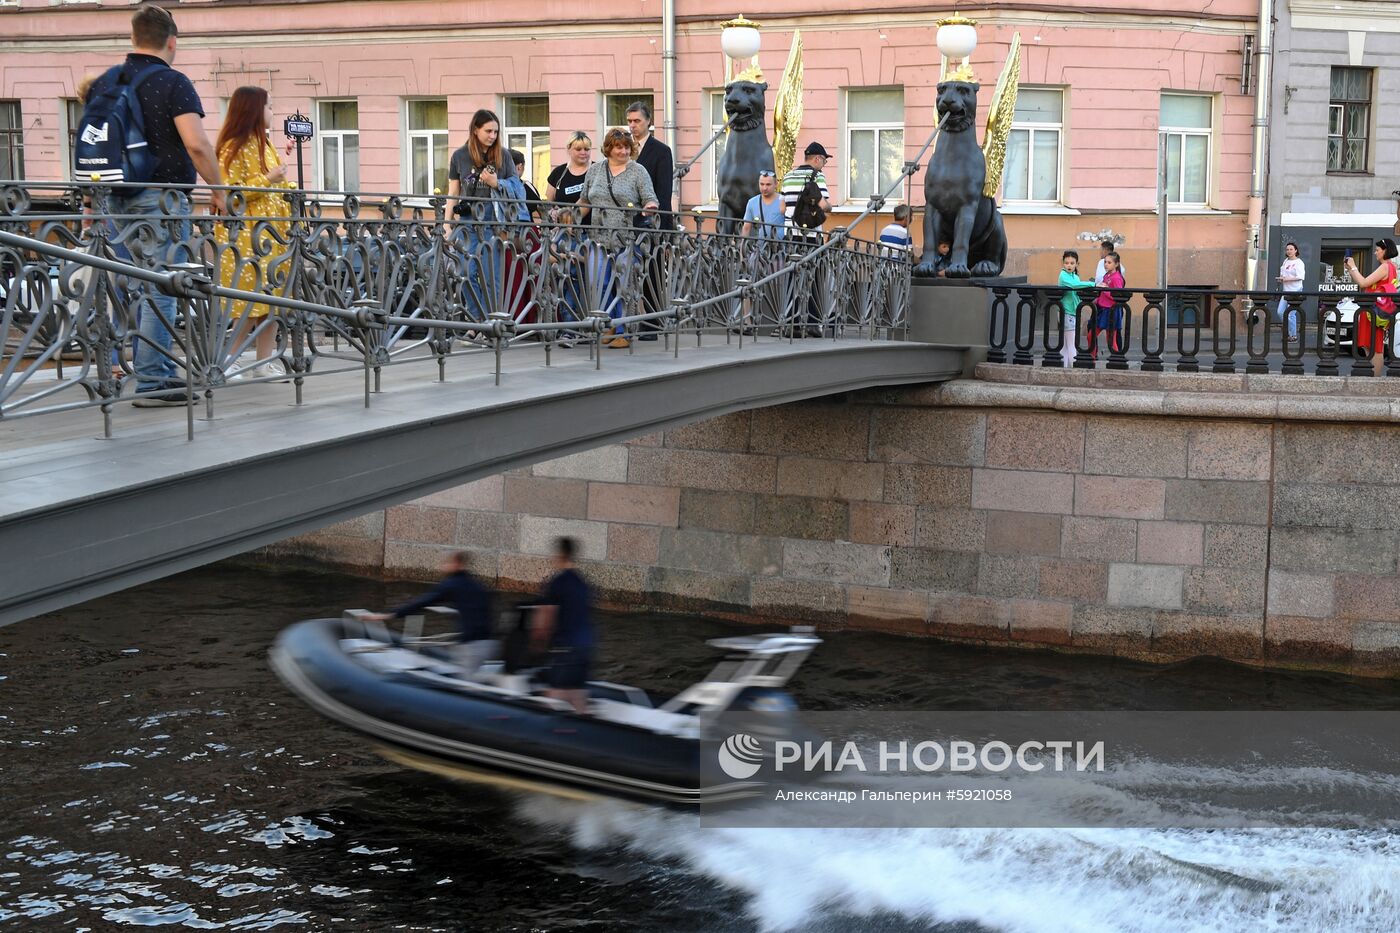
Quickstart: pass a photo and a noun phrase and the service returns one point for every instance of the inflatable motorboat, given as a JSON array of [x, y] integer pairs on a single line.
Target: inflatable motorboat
[[423, 709]]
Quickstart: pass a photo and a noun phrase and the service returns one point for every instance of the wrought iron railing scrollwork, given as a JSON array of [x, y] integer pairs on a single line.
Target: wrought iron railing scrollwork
[[372, 282]]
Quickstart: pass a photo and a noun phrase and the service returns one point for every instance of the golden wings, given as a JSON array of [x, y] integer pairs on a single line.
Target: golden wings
[[787, 111], [999, 117]]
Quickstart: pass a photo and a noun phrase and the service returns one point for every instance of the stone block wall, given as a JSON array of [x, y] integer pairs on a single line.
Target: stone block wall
[[1269, 540]]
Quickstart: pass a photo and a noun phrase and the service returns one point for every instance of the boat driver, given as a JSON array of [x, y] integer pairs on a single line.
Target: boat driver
[[562, 622], [463, 592]]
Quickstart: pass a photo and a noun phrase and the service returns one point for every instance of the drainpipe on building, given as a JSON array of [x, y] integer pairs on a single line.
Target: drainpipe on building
[[1258, 187], [668, 74]]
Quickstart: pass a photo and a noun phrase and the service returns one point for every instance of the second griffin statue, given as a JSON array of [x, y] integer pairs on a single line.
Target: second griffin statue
[[957, 209]]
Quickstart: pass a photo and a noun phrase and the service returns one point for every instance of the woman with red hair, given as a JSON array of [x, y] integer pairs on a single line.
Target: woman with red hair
[[250, 161]]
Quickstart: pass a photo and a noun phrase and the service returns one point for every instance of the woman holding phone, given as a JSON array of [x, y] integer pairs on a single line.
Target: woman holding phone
[[1290, 277], [480, 166], [1373, 327]]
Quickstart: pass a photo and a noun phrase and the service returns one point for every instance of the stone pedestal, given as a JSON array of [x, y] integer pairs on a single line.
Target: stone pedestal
[[954, 313]]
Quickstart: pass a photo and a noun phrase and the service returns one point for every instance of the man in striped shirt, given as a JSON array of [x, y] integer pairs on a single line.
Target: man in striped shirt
[[810, 170], [794, 181]]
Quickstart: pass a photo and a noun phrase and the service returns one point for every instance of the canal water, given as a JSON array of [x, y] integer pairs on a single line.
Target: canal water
[[154, 772]]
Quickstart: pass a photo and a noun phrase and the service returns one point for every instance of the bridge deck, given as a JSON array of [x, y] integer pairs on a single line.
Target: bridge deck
[[93, 515]]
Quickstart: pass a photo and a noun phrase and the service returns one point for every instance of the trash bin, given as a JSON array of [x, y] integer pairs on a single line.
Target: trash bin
[[1184, 309]]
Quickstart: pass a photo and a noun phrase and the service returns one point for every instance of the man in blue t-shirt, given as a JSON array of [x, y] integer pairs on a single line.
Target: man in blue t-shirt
[[563, 623], [765, 213], [174, 126]]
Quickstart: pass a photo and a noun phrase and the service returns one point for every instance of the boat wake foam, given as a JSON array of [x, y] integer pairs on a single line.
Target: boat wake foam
[[1152, 881]]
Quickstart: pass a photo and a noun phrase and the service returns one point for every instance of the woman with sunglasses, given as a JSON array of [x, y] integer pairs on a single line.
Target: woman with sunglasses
[[565, 183]]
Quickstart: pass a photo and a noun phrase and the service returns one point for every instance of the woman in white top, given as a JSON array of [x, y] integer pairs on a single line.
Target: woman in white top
[[1290, 276]]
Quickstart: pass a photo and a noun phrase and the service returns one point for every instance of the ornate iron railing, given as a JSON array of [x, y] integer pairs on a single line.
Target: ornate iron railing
[[1194, 330], [370, 282]]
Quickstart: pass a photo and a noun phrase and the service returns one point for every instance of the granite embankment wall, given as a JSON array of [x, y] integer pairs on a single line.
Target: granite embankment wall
[[1255, 518]]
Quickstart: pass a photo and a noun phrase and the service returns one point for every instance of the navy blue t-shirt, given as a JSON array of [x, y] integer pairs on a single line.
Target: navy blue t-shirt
[[463, 593], [164, 95], [572, 626]]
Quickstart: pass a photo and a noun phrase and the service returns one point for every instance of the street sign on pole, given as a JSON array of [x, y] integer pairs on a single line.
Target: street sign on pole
[[299, 127]]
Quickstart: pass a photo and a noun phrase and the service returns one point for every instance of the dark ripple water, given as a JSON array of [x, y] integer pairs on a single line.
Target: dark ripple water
[[154, 772]]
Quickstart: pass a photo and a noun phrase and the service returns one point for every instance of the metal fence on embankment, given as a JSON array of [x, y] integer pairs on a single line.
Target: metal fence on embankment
[[1195, 330]]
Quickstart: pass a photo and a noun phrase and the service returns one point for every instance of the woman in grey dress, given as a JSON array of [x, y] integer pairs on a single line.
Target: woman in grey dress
[[616, 192], [618, 182]]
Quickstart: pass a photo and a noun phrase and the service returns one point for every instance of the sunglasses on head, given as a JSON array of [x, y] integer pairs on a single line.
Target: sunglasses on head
[[767, 174]]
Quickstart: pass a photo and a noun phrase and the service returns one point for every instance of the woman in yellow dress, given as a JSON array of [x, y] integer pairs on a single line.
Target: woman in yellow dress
[[249, 160]]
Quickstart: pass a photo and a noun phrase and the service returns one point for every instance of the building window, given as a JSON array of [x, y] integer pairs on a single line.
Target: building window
[[11, 141], [714, 107], [1185, 120], [72, 116], [1349, 121], [527, 130], [874, 141], [1034, 146], [427, 146], [338, 155], [615, 104]]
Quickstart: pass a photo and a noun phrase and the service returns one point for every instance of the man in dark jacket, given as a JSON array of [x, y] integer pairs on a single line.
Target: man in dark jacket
[[654, 156], [464, 593]]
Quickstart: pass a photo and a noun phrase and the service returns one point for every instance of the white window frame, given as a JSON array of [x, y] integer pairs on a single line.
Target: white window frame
[[1183, 132], [530, 133], [15, 136], [69, 133], [340, 135], [605, 96], [1034, 127], [710, 189], [409, 135], [848, 127], [1342, 105]]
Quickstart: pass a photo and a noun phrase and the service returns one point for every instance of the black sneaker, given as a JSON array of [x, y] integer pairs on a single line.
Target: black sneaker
[[168, 396]]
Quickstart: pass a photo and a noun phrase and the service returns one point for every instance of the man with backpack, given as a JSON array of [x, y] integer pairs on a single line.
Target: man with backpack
[[808, 201], [143, 124], [804, 189]]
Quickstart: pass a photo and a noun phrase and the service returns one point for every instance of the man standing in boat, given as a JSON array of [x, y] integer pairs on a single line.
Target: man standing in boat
[[564, 624], [463, 592]]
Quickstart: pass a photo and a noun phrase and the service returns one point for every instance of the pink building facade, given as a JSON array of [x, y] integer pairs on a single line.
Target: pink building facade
[[392, 85]]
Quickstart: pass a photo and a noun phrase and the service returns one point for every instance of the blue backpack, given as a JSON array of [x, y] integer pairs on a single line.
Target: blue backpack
[[111, 142]]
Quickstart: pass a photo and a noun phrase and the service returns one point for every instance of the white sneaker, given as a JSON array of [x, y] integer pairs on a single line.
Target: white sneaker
[[275, 367]]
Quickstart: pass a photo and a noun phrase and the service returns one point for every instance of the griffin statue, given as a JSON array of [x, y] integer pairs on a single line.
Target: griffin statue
[[960, 186], [746, 149]]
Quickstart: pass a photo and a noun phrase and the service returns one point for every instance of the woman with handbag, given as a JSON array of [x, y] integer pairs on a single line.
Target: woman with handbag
[[481, 166], [613, 190], [1372, 329], [565, 184], [481, 184]]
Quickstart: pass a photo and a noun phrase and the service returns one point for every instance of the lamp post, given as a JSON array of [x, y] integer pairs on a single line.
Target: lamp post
[[957, 38], [739, 39]]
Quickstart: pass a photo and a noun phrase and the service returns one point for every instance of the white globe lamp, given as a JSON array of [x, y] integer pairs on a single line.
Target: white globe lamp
[[957, 38], [740, 41]]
